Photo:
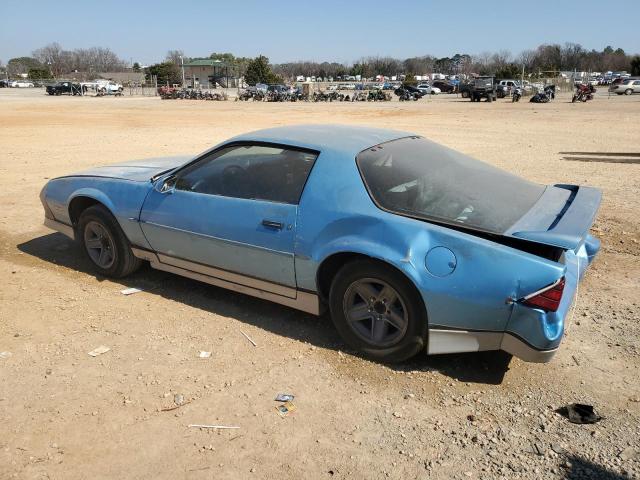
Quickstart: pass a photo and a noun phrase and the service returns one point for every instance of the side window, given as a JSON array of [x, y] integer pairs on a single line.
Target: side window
[[259, 172]]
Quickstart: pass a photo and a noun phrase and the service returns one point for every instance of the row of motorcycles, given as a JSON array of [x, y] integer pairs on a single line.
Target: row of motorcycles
[[170, 93], [334, 96], [272, 96]]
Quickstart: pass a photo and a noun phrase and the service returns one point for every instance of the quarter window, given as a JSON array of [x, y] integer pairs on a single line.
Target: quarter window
[[258, 172]]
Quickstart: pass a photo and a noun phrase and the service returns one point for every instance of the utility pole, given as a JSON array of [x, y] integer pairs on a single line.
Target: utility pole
[[182, 66]]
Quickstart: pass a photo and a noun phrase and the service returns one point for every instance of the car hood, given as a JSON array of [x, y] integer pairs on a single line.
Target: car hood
[[137, 170]]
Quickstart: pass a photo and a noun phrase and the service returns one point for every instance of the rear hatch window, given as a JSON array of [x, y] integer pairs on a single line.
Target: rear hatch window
[[415, 177]]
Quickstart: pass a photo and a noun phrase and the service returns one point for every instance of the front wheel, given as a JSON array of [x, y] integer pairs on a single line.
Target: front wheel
[[105, 244], [628, 91], [573, 100], [378, 311]]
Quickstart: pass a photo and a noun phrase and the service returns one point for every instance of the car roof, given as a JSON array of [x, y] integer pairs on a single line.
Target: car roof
[[345, 139]]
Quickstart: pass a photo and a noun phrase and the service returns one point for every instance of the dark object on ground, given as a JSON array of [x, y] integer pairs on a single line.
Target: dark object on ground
[[579, 413], [540, 98], [407, 92]]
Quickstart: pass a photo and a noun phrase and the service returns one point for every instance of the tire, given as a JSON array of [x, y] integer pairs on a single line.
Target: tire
[[98, 231], [628, 91], [573, 100], [402, 323], [489, 98]]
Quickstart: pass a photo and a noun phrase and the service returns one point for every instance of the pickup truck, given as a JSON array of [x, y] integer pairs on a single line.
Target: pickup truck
[[65, 88]]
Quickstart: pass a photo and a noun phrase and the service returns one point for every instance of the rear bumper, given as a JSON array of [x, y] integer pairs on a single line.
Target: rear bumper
[[535, 335], [521, 349]]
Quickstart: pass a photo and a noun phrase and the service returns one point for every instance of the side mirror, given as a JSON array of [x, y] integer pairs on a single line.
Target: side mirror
[[166, 185]]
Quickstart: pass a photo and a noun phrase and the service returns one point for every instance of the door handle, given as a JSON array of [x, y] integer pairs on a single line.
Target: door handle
[[272, 224]]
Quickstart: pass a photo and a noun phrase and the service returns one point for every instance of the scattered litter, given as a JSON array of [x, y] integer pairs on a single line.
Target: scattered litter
[[130, 291], [4, 355], [286, 408], [538, 449], [629, 453], [99, 351], [219, 427], [579, 413], [284, 397], [575, 360], [249, 338], [178, 399], [174, 407], [204, 354]]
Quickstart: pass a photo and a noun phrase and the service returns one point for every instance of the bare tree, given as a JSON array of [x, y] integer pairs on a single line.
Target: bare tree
[[52, 56], [174, 56]]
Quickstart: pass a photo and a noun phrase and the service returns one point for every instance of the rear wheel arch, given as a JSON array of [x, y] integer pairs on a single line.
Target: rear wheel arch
[[331, 265]]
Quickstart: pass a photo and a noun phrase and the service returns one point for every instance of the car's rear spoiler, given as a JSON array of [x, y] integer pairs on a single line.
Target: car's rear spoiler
[[561, 217]]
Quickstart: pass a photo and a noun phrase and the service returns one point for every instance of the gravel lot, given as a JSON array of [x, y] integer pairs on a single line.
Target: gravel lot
[[67, 415]]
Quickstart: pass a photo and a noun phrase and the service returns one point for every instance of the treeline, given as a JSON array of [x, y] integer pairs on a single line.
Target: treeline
[[544, 60], [53, 61], [547, 60]]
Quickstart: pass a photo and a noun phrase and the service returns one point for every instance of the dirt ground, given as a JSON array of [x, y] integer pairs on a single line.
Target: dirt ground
[[67, 415]]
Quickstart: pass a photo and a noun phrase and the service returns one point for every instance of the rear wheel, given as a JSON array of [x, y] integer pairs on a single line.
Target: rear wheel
[[378, 311], [628, 91], [105, 244]]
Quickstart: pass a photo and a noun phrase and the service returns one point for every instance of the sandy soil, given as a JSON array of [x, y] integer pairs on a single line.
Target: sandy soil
[[66, 415]]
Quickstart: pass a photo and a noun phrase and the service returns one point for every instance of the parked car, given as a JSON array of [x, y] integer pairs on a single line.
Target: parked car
[[505, 87], [615, 82], [21, 84], [627, 87], [424, 88], [429, 249], [4, 83], [445, 87], [108, 87], [65, 88]]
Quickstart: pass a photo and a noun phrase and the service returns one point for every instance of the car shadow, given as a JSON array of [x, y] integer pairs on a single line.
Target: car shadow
[[481, 367], [582, 468]]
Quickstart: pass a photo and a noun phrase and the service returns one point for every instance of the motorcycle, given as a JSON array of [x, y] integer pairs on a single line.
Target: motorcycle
[[583, 93], [516, 94]]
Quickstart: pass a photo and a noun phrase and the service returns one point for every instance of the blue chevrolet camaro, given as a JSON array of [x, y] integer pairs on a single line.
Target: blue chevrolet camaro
[[409, 244]]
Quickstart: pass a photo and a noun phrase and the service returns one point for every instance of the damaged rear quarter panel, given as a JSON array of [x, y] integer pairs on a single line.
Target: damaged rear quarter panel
[[337, 215]]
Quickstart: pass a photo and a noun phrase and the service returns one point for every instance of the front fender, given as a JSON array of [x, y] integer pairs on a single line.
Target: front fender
[[122, 198]]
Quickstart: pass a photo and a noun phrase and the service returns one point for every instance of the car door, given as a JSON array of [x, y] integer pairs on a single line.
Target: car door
[[233, 210]]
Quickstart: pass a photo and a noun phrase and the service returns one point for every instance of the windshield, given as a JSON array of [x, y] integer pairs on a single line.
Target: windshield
[[415, 177]]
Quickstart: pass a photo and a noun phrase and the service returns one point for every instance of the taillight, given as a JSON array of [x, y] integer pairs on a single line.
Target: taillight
[[548, 298]]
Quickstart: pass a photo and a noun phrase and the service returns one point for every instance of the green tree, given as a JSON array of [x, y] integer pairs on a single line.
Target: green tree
[[136, 67], [259, 71], [166, 72], [635, 66], [39, 73], [19, 65], [510, 70], [410, 80]]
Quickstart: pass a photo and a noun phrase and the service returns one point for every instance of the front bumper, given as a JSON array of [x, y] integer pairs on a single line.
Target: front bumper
[[60, 227]]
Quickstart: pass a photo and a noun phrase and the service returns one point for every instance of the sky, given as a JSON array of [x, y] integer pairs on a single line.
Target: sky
[[331, 30]]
